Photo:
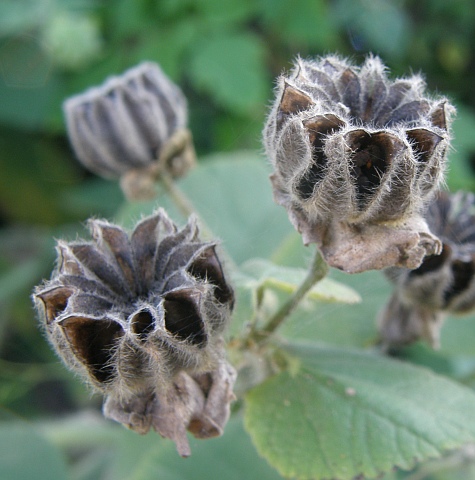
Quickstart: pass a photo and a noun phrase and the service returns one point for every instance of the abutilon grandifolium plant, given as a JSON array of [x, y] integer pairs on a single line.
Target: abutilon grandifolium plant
[[443, 284], [143, 316], [140, 317], [133, 127], [356, 157]]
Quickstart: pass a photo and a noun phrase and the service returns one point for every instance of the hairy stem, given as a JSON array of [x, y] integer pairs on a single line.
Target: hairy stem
[[181, 201], [317, 271]]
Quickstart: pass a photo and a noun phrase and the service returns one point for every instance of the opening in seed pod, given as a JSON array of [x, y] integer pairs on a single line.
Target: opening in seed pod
[[318, 128], [183, 318], [438, 116], [462, 277], [94, 342], [55, 302], [208, 267], [424, 143], [142, 324], [371, 155]]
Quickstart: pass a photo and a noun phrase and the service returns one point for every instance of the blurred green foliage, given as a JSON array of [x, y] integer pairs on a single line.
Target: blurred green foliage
[[224, 54]]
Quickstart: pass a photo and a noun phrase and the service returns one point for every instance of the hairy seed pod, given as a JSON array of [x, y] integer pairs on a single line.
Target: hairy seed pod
[[141, 319], [132, 127], [443, 284], [356, 158]]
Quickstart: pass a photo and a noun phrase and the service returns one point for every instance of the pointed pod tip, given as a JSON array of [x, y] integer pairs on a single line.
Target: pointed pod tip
[[294, 100]]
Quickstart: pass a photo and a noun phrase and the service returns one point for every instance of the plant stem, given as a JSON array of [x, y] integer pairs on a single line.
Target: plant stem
[[317, 271], [178, 197]]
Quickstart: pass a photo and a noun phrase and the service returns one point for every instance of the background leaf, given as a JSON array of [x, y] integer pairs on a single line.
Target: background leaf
[[230, 67], [232, 194], [27, 455], [128, 456]]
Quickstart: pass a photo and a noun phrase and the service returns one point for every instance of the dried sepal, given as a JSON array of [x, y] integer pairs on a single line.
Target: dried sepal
[[140, 317], [197, 403], [132, 127], [357, 154], [442, 284]]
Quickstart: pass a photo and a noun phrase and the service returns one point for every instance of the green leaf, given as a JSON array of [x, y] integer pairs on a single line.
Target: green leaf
[[232, 193], [17, 16], [304, 21], [231, 68], [460, 172], [27, 455], [335, 323], [348, 413], [227, 11], [384, 25], [262, 273], [230, 457]]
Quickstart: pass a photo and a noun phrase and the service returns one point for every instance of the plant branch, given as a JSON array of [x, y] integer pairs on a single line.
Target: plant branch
[[182, 202], [317, 271]]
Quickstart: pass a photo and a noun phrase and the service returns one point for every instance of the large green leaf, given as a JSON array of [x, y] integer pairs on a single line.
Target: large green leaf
[[337, 324], [232, 193], [27, 455], [347, 413]]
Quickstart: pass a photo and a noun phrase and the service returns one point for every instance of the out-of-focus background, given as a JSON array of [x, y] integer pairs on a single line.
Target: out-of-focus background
[[225, 55]]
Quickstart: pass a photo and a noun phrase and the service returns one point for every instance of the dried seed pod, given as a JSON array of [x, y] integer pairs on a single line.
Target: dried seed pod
[[141, 318], [132, 127], [443, 284], [356, 157]]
